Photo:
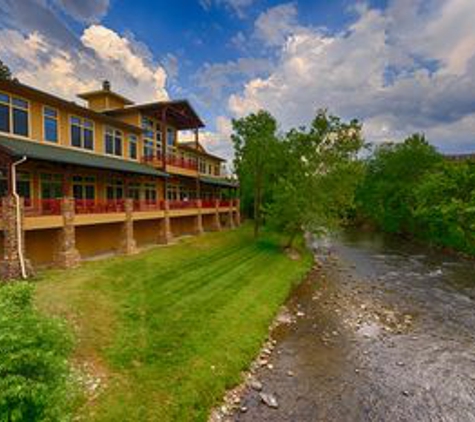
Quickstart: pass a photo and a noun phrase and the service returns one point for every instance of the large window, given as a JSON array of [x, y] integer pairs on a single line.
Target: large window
[[113, 142], [133, 191], [133, 147], [84, 187], [51, 186], [170, 137], [82, 133], [23, 185], [150, 190], [14, 115], [50, 124], [115, 189], [152, 137], [148, 149]]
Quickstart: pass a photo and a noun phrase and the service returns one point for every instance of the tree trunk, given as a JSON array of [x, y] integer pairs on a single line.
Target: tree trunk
[[257, 203], [292, 237]]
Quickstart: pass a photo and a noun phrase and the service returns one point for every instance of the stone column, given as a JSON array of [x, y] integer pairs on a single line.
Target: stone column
[[216, 218], [10, 268], [166, 234], [231, 215], [127, 244], [199, 219], [68, 256]]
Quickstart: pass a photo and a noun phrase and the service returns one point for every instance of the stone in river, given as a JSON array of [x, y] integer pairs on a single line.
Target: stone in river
[[269, 400]]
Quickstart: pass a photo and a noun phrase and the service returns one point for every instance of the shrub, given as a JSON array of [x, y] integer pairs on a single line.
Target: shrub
[[33, 363]]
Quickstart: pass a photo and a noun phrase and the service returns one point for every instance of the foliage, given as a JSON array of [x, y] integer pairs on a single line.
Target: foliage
[[410, 189], [33, 364], [256, 160], [318, 180], [175, 327], [387, 194], [5, 73]]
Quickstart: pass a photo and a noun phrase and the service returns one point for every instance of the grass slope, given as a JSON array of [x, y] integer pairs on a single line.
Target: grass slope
[[173, 327]]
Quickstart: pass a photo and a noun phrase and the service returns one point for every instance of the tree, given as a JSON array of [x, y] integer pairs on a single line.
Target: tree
[[388, 192], [316, 185], [5, 73], [256, 160]]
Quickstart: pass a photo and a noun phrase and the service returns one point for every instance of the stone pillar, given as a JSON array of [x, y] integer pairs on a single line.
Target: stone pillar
[[68, 256], [127, 244], [10, 268], [216, 218], [199, 219], [166, 235], [231, 215]]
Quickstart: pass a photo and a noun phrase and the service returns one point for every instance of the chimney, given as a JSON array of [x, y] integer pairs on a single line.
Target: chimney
[[106, 85]]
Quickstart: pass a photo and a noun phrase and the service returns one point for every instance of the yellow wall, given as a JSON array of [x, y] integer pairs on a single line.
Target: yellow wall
[[146, 232], [98, 239], [41, 246], [183, 225]]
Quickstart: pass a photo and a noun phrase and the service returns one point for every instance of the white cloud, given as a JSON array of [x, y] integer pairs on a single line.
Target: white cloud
[[103, 54], [274, 25], [408, 68], [85, 10], [237, 6]]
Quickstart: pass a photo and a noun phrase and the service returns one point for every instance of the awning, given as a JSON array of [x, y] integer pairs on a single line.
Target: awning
[[53, 153], [219, 182]]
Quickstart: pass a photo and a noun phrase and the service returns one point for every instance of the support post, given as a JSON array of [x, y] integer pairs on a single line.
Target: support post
[[128, 245], [217, 220], [166, 235], [199, 218], [231, 215], [10, 268], [237, 214], [68, 256]]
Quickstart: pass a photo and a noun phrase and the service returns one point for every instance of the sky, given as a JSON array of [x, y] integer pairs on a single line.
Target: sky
[[399, 66]]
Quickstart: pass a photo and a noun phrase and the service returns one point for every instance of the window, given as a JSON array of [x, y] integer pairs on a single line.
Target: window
[[170, 137], [115, 190], [150, 190], [133, 147], [133, 191], [23, 185], [172, 192], [148, 148], [113, 142], [51, 186], [14, 115], [84, 187], [82, 133], [202, 166], [152, 137], [217, 170], [50, 124]]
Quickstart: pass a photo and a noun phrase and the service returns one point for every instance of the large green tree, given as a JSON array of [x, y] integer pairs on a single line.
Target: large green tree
[[257, 151], [316, 185]]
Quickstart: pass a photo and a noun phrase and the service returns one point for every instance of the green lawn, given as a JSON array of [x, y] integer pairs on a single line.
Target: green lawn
[[172, 328]]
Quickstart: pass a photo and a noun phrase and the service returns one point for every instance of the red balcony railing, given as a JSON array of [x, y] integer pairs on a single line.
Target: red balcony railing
[[37, 207], [154, 158], [91, 206], [182, 163], [149, 205], [208, 203], [225, 202], [177, 205]]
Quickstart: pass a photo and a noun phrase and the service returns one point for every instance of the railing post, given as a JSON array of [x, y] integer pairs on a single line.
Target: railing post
[[68, 256], [10, 268], [128, 245], [199, 218], [166, 234]]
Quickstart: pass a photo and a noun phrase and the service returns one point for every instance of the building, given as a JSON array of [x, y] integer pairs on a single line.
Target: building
[[79, 181]]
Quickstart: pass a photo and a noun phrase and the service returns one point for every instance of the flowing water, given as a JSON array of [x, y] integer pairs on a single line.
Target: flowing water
[[384, 331]]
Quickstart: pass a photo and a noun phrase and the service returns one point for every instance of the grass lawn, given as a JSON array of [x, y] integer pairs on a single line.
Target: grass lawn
[[170, 329]]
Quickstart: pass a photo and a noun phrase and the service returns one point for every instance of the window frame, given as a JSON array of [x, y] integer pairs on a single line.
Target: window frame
[[82, 129], [113, 132], [11, 107], [44, 117], [133, 139]]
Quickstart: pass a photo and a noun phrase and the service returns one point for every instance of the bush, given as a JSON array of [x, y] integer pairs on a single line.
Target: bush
[[33, 363]]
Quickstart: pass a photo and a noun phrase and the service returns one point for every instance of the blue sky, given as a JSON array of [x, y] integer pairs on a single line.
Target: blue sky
[[400, 66]]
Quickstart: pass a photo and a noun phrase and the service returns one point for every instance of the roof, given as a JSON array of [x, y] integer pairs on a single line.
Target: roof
[[57, 154], [461, 157], [191, 146], [92, 94], [219, 182], [52, 100], [178, 112]]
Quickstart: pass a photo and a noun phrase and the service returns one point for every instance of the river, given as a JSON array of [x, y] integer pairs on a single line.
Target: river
[[384, 331]]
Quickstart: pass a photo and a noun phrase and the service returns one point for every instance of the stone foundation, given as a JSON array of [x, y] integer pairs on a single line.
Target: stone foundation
[[68, 256]]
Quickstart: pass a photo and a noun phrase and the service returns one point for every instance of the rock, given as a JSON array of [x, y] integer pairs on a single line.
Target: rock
[[269, 400], [400, 363], [300, 314], [405, 393], [256, 385], [290, 373], [357, 371], [243, 409], [270, 366]]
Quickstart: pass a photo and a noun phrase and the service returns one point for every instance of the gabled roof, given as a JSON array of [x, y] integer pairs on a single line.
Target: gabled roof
[[178, 112], [99, 92], [219, 182], [53, 153], [54, 101], [190, 146]]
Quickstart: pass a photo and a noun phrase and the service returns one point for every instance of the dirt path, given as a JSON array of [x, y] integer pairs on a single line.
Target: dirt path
[[381, 333]]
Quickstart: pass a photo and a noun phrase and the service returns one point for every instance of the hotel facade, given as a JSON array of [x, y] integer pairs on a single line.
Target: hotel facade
[[107, 177]]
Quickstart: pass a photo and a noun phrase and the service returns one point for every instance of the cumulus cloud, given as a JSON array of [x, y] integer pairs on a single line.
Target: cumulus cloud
[[102, 54], [407, 68]]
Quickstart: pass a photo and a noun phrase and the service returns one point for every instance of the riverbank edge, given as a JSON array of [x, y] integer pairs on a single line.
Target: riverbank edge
[[230, 404]]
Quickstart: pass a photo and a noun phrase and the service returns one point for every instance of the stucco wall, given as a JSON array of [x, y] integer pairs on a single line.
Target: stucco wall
[[41, 246], [98, 239]]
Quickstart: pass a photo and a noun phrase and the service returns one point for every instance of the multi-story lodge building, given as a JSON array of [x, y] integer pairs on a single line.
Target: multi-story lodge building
[[79, 181]]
